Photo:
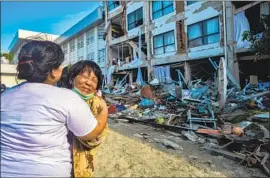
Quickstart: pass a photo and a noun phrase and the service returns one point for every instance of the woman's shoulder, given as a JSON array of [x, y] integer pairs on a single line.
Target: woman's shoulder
[[67, 94]]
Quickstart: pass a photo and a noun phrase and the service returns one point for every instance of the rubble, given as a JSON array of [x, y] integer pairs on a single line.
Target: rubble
[[169, 144], [192, 110]]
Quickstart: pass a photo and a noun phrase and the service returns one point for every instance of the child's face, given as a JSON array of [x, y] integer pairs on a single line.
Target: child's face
[[86, 82]]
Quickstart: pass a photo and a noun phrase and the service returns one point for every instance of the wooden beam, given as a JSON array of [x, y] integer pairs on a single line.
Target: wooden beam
[[245, 7]]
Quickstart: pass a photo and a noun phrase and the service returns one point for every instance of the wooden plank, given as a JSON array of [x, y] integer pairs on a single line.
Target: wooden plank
[[245, 7], [177, 129], [227, 153]]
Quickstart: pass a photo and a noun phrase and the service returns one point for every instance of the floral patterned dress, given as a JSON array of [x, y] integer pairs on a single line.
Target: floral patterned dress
[[85, 151]]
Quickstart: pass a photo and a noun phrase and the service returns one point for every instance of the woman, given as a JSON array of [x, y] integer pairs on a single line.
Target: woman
[[36, 117], [85, 79]]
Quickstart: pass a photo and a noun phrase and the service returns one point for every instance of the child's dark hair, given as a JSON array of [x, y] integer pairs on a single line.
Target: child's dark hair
[[63, 82], [80, 67]]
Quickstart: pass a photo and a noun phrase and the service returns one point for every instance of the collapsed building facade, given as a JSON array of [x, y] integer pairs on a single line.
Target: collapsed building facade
[[162, 40], [204, 81]]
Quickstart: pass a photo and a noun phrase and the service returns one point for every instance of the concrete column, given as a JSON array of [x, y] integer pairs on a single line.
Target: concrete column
[[148, 36], [131, 77], [232, 64], [187, 72], [108, 39]]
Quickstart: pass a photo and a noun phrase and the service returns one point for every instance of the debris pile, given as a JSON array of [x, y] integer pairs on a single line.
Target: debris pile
[[238, 130]]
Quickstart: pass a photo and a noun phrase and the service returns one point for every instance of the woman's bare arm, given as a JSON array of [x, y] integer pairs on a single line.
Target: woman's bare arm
[[102, 119]]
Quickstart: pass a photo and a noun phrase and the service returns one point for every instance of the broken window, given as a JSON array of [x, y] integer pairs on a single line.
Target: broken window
[[265, 8], [191, 2], [164, 43], [117, 23], [161, 8], [135, 18], [241, 25], [113, 4], [101, 56], [203, 33]]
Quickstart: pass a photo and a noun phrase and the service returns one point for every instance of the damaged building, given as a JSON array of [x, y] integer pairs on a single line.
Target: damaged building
[[84, 40], [204, 81], [181, 39], [138, 41]]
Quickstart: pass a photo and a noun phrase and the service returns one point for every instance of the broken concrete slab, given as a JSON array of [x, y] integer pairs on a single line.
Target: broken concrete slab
[[190, 135], [171, 144]]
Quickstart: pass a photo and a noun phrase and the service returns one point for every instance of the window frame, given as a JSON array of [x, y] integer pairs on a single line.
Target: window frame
[[100, 35], [101, 57], [191, 2], [65, 49], [90, 38], [163, 45], [162, 9], [72, 46], [203, 33], [112, 3], [80, 43], [140, 21]]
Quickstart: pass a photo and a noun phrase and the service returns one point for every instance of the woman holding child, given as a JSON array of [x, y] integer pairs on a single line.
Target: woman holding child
[[36, 116]]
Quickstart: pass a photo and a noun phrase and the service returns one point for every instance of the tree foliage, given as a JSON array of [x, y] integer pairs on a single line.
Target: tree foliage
[[8, 56], [260, 43]]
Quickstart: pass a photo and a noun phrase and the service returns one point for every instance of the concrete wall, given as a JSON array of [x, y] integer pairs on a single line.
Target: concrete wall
[[183, 15], [118, 10], [131, 8], [87, 51], [8, 75], [197, 12], [160, 27], [22, 36]]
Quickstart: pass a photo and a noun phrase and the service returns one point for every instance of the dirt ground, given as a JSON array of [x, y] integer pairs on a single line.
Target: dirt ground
[[125, 154]]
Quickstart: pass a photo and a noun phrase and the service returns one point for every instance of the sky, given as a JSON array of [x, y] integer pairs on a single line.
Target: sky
[[48, 17]]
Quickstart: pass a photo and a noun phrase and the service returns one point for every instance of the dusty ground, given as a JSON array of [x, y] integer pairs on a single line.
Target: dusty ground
[[124, 154]]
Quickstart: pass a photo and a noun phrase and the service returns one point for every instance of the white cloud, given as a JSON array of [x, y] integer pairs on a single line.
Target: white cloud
[[70, 20]]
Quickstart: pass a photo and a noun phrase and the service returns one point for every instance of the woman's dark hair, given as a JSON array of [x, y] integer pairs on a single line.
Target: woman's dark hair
[[37, 59], [63, 82], [82, 66]]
